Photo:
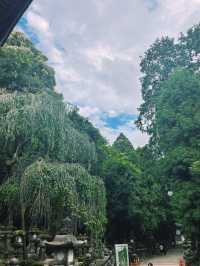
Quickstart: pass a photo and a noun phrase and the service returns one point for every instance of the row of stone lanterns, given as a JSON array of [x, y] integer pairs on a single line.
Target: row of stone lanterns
[[60, 251], [17, 246]]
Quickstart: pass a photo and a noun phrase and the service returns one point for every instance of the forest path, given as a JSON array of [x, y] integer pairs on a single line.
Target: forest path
[[172, 258]]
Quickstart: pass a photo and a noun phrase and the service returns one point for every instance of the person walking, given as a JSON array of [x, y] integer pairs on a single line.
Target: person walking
[[162, 249]]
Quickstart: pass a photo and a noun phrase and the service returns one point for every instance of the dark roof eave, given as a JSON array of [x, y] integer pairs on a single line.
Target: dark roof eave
[[10, 13]]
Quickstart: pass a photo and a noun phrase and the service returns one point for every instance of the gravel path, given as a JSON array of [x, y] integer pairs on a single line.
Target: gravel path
[[171, 259]]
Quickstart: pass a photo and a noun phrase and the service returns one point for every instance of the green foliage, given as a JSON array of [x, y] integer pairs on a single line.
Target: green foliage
[[51, 191], [188, 253], [170, 114], [153, 188], [195, 169], [136, 201], [23, 67], [159, 62], [119, 174], [178, 111], [83, 125], [44, 151], [35, 125], [186, 202], [9, 192], [156, 65], [147, 204], [50, 154], [122, 144]]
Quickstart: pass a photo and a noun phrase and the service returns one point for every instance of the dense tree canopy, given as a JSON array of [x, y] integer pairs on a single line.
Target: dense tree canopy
[[170, 114], [34, 125], [122, 144], [51, 156], [178, 111], [23, 67], [159, 61], [48, 191], [136, 198], [46, 159]]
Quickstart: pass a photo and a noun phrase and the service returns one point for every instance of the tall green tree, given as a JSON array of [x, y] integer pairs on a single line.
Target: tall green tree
[[136, 203], [158, 63], [84, 126], [49, 191], [177, 127], [178, 111], [122, 144], [46, 159], [34, 125], [170, 115], [119, 175], [23, 67]]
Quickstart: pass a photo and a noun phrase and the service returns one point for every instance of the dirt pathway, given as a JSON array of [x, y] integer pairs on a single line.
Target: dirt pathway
[[171, 259]]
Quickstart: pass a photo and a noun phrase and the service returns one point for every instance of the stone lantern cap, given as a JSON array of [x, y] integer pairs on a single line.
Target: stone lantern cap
[[64, 241]]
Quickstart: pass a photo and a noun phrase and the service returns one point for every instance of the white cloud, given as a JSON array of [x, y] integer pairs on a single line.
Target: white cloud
[[96, 56], [95, 45], [101, 54], [88, 111], [38, 22]]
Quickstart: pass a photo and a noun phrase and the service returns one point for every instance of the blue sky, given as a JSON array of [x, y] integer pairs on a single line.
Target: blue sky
[[117, 121], [23, 24], [95, 48], [152, 4]]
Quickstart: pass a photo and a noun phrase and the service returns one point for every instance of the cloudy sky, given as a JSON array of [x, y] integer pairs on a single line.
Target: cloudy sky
[[95, 48]]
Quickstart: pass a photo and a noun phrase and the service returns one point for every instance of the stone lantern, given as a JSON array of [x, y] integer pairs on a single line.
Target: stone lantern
[[62, 249], [34, 242], [14, 262], [19, 243]]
